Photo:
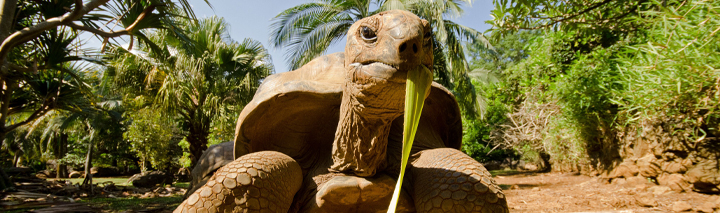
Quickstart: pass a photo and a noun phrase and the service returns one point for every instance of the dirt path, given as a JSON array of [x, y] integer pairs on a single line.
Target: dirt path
[[566, 192]]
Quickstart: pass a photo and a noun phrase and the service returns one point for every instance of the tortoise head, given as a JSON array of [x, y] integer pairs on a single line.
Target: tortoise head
[[380, 51]]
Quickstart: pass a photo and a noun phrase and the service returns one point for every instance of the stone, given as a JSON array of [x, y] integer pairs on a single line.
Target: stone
[[17, 171], [673, 167], [648, 166], [659, 190], [76, 174], [149, 195], [636, 180], [530, 166], [681, 206], [646, 199], [150, 179], [625, 169], [618, 181], [183, 175], [676, 182], [704, 177], [43, 174], [707, 207], [105, 171]]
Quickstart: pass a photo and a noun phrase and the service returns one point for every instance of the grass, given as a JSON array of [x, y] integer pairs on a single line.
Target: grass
[[504, 172], [119, 181], [128, 203], [184, 185]]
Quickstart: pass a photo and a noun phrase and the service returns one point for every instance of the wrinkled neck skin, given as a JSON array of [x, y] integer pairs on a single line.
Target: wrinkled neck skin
[[367, 110]]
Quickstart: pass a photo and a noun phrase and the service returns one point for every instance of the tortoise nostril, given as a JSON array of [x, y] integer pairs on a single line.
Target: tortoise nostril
[[415, 48], [402, 47]]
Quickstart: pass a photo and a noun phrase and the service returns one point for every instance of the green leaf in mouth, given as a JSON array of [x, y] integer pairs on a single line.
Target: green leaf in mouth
[[416, 90]]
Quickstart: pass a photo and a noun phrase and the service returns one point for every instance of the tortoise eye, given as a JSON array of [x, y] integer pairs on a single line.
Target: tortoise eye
[[367, 34]]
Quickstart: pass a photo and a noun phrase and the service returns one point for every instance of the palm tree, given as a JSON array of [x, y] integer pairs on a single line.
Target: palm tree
[[39, 37], [92, 118], [307, 30], [199, 78]]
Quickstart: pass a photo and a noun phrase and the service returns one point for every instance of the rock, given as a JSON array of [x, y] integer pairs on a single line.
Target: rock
[[673, 167], [17, 171], [659, 190], [530, 166], [648, 166], [707, 207], [75, 174], [44, 174], [492, 165], [625, 169], [105, 171], [687, 163], [618, 181], [676, 182], [636, 180], [645, 199], [148, 195], [183, 175], [150, 179], [641, 187], [704, 177], [681, 206]]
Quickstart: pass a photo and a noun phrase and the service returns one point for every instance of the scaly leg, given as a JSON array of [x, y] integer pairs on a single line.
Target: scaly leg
[[447, 180], [261, 181]]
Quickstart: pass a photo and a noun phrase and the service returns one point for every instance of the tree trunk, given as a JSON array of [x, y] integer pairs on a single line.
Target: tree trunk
[[16, 158], [7, 17], [60, 151], [198, 140], [143, 163], [4, 180], [87, 182]]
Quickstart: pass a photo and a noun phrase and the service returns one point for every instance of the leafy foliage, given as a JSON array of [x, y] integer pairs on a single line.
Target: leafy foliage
[[201, 78], [151, 137], [596, 69]]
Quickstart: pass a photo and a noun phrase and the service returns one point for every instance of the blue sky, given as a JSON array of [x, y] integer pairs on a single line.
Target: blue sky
[[251, 19]]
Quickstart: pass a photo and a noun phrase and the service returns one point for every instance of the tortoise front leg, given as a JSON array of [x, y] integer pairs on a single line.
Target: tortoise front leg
[[447, 180], [257, 181]]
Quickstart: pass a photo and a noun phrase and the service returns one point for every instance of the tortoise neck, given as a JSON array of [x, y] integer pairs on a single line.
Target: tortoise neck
[[361, 137]]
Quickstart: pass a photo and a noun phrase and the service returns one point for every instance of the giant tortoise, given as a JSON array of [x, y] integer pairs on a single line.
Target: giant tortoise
[[327, 137]]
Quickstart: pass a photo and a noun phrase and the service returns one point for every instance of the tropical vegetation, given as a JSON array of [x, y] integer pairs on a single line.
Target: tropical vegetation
[[596, 78], [569, 85]]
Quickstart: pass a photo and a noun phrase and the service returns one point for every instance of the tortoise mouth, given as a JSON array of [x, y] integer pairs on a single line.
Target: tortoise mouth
[[379, 63], [379, 70]]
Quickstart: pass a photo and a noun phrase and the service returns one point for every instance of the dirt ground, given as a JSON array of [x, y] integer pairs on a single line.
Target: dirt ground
[[572, 192]]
